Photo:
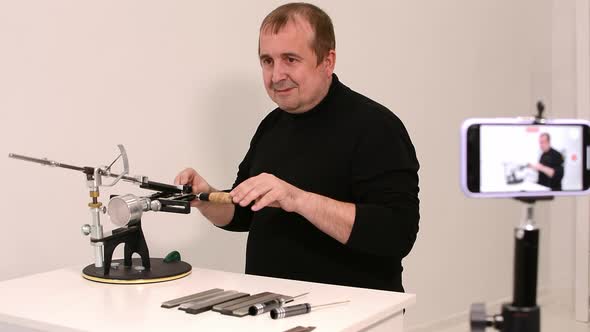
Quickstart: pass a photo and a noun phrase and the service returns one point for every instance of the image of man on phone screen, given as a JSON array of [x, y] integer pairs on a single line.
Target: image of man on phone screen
[[550, 165]]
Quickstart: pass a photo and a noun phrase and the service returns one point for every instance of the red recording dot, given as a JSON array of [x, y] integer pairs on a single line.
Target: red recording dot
[[574, 157]]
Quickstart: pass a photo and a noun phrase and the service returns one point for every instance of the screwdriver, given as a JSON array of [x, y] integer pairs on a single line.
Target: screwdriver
[[261, 308], [298, 309]]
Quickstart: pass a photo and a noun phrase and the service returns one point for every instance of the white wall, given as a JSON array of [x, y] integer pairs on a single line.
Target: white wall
[[563, 67], [582, 236], [179, 84], [570, 96]]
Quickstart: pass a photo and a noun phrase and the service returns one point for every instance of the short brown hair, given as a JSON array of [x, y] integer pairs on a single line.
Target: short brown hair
[[324, 39]]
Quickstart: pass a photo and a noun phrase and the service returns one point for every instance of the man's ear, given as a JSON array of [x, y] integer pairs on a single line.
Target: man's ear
[[329, 62]]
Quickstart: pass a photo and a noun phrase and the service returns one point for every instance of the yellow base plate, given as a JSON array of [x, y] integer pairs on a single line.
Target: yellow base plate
[[136, 281]]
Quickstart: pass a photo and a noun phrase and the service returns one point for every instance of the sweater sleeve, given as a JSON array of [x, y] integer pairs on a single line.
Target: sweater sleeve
[[242, 217], [385, 190]]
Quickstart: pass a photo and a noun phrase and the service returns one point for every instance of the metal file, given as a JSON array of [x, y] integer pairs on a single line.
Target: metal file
[[190, 298], [249, 299], [205, 305]]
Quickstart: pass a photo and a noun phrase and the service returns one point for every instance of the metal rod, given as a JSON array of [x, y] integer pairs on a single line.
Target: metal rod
[[328, 304], [298, 309], [96, 233], [298, 296], [530, 215], [114, 161], [45, 162], [54, 163]]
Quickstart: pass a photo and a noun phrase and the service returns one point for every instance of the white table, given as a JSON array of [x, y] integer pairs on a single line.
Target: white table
[[518, 187], [62, 300]]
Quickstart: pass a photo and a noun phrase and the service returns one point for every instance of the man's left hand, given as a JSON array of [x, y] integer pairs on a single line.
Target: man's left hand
[[267, 190]]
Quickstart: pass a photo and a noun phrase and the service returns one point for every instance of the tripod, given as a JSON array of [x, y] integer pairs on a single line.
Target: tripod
[[523, 314]]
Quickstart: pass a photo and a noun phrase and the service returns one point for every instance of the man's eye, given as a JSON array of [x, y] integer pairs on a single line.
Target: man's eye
[[267, 61], [291, 60]]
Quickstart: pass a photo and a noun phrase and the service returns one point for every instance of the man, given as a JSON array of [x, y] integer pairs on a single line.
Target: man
[[329, 187], [550, 166]]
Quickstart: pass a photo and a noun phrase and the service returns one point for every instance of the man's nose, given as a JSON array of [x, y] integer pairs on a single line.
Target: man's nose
[[278, 72]]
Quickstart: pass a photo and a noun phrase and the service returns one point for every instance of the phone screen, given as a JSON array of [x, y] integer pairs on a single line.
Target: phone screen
[[518, 158], [531, 158]]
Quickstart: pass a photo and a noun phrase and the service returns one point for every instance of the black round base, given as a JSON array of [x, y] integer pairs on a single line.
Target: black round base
[[158, 272]]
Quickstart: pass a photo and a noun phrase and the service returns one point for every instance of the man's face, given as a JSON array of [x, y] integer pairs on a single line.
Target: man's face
[[292, 77], [544, 143]]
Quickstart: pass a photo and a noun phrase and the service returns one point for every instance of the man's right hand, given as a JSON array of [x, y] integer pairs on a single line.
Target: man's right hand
[[218, 214], [191, 177]]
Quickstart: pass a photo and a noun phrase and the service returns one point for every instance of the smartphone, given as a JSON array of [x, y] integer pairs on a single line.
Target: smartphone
[[516, 157]]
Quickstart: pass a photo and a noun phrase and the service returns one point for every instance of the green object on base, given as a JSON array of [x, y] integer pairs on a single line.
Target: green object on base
[[173, 256]]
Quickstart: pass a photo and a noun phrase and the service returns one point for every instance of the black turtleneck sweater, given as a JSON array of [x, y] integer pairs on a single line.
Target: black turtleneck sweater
[[348, 148], [554, 160]]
